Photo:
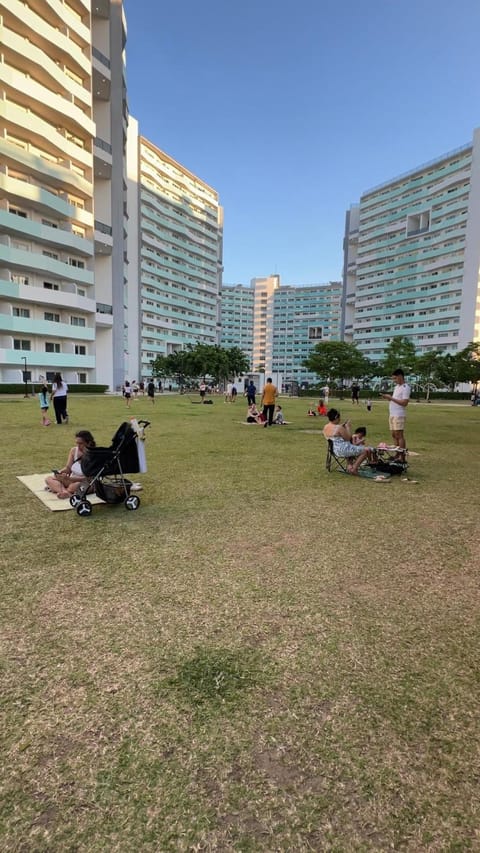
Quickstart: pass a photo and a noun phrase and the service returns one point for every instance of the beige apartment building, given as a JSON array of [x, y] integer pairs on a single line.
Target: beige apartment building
[[63, 126]]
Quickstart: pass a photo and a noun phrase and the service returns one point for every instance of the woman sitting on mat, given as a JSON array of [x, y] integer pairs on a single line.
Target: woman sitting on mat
[[341, 435], [253, 415], [66, 481]]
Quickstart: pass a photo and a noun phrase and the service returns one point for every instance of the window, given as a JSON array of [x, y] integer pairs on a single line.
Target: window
[[77, 321], [50, 375], [80, 349], [17, 212], [82, 378], [50, 347], [21, 344], [21, 312], [51, 317], [49, 286], [19, 279], [74, 262], [49, 223], [50, 255]]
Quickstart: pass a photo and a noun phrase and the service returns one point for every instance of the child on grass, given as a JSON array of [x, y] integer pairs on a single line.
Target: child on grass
[[43, 399]]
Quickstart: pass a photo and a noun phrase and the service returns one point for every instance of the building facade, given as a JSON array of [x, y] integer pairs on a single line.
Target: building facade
[[61, 146], [412, 258], [180, 233], [302, 317], [237, 305], [277, 325]]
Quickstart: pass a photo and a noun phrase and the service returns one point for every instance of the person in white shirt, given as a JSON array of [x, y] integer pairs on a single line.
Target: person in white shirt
[[397, 409]]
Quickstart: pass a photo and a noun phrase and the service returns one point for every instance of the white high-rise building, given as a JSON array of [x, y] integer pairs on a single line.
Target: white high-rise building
[[175, 256], [63, 121], [412, 258]]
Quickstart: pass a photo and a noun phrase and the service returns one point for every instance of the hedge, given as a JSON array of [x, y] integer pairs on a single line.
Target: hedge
[[19, 388]]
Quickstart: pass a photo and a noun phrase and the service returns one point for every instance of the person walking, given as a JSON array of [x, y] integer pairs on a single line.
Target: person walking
[[269, 395], [355, 389], [127, 393], [59, 397], [398, 402], [151, 391]]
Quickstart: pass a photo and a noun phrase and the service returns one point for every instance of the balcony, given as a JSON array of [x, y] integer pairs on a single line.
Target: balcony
[[102, 159], [104, 315], [103, 238]]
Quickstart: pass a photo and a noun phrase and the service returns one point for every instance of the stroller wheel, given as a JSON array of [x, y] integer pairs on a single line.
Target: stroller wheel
[[132, 502], [75, 501], [84, 508]]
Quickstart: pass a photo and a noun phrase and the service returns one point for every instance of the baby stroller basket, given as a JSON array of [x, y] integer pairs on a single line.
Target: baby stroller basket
[[113, 490]]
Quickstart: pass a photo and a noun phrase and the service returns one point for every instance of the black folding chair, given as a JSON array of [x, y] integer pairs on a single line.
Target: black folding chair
[[334, 462]]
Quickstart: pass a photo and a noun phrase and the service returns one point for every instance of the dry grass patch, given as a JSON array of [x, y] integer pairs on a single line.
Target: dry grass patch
[[263, 657]]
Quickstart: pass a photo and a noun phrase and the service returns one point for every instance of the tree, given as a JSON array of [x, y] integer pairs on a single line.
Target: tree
[[446, 370], [399, 353], [468, 363], [426, 367], [337, 361]]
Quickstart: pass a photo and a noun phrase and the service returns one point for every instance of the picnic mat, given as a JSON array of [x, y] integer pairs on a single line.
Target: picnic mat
[[36, 484]]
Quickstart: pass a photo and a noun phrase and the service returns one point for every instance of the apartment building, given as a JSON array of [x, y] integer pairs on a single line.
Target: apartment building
[[180, 228], [302, 317], [278, 325], [412, 257], [61, 146], [237, 305]]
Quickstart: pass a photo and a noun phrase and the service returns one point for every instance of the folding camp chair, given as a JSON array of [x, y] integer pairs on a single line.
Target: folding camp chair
[[334, 462]]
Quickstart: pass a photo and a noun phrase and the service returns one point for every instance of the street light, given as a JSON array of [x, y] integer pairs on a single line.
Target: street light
[[25, 378]]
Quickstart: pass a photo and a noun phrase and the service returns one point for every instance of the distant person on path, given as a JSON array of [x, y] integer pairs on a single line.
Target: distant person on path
[[398, 402], [369, 405], [151, 391], [228, 393], [269, 395], [326, 394], [43, 399], [59, 397], [234, 393], [203, 391], [251, 391], [355, 389]]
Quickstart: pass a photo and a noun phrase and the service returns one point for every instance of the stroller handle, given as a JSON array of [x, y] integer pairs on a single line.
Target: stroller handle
[[144, 423]]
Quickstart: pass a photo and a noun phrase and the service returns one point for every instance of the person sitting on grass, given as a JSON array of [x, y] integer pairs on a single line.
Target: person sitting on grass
[[341, 436], [66, 481], [253, 415], [279, 419], [311, 411], [322, 409]]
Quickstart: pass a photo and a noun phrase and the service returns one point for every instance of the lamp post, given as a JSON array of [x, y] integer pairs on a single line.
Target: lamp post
[[25, 379]]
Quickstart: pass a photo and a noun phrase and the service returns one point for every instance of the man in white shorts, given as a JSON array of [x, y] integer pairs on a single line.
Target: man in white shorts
[[398, 404]]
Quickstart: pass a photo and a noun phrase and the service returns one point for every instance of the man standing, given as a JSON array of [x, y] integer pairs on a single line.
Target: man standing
[[355, 389], [398, 403], [251, 391], [269, 395]]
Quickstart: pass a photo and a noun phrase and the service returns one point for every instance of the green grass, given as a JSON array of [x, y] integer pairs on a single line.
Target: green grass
[[263, 657]]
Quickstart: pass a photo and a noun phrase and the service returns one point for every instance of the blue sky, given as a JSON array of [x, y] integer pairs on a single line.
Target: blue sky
[[291, 110]]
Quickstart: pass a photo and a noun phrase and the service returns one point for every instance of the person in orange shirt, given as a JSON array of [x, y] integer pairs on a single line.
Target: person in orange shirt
[[269, 395]]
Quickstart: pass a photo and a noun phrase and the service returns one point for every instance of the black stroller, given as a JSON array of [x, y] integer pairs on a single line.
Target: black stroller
[[105, 468]]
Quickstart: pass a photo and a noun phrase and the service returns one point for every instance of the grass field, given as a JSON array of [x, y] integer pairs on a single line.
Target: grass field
[[263, 657]]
